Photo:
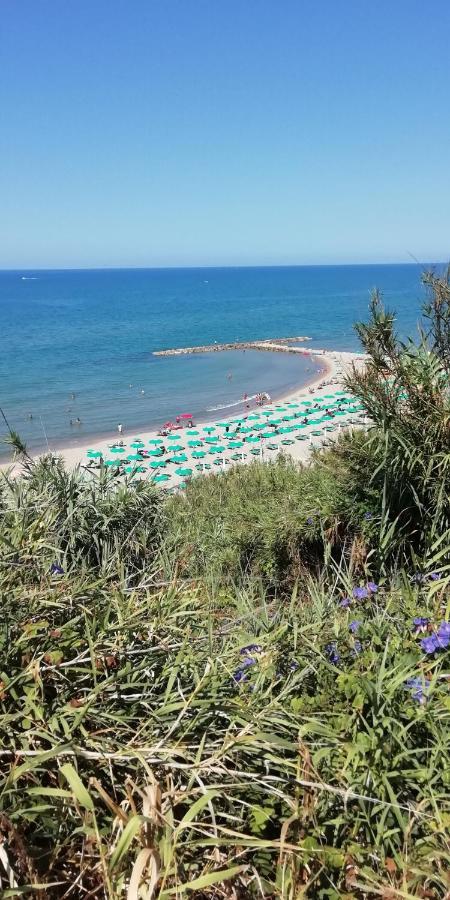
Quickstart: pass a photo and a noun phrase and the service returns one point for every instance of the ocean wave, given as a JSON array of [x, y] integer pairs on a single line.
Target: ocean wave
[[230, 405]]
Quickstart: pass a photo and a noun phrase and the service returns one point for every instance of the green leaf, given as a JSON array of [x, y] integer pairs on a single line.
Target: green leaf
[[81, 794], [129, 833], [205, 881]]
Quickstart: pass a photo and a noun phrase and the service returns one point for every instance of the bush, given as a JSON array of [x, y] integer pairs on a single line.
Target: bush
[[264, 520], [406, 458], [51, 516]]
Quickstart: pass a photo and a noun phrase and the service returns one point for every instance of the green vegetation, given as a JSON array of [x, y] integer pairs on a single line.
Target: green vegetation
[[242, 690]]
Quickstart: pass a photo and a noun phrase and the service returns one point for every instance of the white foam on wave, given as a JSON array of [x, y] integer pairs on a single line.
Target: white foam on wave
[[230, 405]]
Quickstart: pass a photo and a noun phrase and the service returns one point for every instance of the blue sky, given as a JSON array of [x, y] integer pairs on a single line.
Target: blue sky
[[223, 132]]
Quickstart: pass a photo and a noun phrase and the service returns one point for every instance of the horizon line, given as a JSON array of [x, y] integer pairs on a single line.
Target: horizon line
[[216, 267]]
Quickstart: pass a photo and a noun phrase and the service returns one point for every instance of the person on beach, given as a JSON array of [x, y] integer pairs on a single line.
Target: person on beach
[[120, 428]]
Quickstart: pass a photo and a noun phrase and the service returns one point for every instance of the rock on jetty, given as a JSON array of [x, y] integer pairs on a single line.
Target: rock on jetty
[[275, 345]]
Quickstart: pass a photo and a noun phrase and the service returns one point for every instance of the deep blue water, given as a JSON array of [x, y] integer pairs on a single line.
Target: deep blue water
[[92, 332]]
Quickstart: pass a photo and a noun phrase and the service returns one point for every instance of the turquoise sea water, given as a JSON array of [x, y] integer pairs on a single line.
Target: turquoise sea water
[[92, 333]]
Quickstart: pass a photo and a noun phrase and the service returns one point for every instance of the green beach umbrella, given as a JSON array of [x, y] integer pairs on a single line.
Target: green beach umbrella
[[211, 440], [287, 442], [137, 444], [133, 469], [193, 431], [255, 451], [173, 437], [94, 454], [237, 456], [268, 434], [233, 445], [117, 449], [272, 446], [198, 454], [254, 438], [183, 472], [134, 456], [159, 478], [112, 462], [155, 441], [255, 416], [209, 428], [194, 443], [157, 465], [181, 458], [175, 448], [155, 453]]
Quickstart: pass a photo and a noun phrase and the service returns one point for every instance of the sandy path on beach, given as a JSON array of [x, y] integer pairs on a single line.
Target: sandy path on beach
[[337, 364]]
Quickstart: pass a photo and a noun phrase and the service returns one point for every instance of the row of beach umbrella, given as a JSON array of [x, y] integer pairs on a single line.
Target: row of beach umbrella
[[258, 426]]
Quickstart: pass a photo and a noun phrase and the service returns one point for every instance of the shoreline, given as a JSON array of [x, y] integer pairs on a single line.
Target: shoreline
[[82, 441], [332, 363]]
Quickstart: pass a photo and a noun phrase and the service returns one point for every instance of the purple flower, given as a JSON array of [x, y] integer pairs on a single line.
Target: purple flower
[[332, 653], [419, 688], [368, 516], [420, 623], [360, 593], [293, 666], [434, 576], [310, 520], [248, 661], [357, 647], [429, 644], [443, 635], [56, 569], [240, 675], [354, 626], [372, 587], [250, 648], [345, 602]]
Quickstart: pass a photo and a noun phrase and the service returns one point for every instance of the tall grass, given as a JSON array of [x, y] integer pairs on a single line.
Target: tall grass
[[140, 745]]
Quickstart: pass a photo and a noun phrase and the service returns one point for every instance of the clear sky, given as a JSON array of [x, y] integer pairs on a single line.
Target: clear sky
[[223, 132]]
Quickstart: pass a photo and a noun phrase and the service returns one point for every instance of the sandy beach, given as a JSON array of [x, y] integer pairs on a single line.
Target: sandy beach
[[336, 365]]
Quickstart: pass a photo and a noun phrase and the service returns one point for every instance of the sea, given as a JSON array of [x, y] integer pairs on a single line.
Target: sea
[[78, 344]]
